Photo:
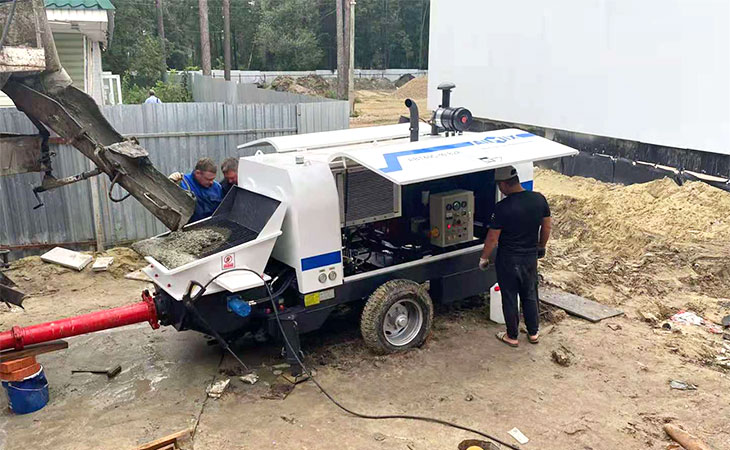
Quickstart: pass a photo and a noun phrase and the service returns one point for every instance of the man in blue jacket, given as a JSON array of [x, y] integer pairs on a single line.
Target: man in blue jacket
[[201, 182]]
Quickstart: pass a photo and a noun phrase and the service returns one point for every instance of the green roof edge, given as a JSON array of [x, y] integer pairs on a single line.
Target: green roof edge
[[80, 4]]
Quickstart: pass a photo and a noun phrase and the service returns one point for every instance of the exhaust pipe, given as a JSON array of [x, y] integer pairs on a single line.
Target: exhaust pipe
[[413, 108]]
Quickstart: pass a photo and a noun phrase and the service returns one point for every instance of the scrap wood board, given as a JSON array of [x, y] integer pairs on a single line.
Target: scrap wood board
[[102, 264], [67, 258], [577, 305], [33, 350], [138, 275], [181, 439]]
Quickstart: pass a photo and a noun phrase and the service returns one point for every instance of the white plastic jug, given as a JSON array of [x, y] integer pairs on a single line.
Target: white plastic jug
[[495, 304]]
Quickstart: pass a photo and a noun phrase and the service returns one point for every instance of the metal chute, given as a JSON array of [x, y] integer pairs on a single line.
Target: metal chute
[[32, 76]]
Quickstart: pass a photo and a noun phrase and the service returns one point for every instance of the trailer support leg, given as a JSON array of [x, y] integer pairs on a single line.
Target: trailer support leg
[[293, 349]]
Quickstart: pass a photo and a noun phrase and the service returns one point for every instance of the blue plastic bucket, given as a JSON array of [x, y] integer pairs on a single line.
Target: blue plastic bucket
[[28, 395]]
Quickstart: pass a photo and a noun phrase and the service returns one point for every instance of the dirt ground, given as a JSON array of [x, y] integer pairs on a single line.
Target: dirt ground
[[380, 107], [651, 250]]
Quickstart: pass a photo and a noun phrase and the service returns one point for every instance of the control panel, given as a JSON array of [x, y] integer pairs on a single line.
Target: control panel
[[452, 217]]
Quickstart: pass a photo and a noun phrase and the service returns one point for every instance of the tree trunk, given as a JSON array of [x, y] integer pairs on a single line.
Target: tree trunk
[[341, 81], [204, 37], [346, 50], [426, 7], [161, 26], [227, 39], [386, 47], [161, 34], [351, 65]]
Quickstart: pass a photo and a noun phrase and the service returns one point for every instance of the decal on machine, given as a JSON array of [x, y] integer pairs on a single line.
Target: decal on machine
[[228, 261], [392, 159], [315, 297]]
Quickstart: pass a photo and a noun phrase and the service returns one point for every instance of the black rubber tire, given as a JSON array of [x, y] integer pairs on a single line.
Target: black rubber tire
[[371, 321]]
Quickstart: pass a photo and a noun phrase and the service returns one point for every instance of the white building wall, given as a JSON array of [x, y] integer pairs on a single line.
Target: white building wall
[[94, 85], [655, 71]]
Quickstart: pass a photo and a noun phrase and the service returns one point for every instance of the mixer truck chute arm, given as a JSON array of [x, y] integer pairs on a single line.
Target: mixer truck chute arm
[[32, 76]]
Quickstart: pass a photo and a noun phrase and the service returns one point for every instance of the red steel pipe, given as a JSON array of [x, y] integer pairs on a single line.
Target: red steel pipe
[[144, 311]]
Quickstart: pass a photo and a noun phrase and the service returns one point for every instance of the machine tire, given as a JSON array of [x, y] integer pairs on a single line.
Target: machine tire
[[380, 303]]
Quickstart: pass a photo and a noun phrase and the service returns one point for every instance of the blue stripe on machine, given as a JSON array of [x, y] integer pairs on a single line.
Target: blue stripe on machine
[[392, 164], [326, 259], [528, 185]]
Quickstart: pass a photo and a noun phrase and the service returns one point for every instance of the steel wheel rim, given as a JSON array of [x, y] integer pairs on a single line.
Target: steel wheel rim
[[402, 322]]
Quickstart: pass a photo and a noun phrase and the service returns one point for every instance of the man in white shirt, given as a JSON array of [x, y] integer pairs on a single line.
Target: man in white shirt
[[152, 98]]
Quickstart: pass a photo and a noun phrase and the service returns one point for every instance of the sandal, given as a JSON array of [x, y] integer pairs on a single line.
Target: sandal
[[503, 334], [535, 340]]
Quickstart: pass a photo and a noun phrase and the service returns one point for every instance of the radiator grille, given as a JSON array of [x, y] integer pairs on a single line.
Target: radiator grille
[[370, 197]]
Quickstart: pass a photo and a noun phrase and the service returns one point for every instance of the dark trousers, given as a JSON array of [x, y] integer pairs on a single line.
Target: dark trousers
[[518, 275]]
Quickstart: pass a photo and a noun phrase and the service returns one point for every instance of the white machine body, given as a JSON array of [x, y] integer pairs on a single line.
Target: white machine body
[[251, 255], [311, 242], [301, 172]]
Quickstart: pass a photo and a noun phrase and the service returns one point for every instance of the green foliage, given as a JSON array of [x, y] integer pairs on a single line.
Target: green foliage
[[133, 22], [267, 35], [392, 34], [169, 92], [147, 66], [286, 44]]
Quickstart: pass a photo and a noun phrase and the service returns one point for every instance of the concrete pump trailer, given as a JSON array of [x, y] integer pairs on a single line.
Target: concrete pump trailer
[[388, 218]]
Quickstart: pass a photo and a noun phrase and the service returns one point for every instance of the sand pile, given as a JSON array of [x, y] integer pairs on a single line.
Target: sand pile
[[310, 85], [125, 260], [616, 243], [417, 88], [34, 267], [182, 247], [374, 84]]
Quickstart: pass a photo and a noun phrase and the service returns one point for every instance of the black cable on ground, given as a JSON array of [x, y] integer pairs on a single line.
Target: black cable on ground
[[330, 397]]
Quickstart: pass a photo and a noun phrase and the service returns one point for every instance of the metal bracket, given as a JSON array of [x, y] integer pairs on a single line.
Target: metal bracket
[[114, 181], [50, 182]]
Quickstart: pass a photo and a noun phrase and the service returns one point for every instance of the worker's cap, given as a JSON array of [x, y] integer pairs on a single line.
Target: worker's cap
[[505, 173]]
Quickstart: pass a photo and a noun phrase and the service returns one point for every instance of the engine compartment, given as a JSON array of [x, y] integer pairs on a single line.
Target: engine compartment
[[409, 235]]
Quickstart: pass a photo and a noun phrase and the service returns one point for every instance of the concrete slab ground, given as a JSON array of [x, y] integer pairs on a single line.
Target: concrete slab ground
[[614, 394], [160, 390]]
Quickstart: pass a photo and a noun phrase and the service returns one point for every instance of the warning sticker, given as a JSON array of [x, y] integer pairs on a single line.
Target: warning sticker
[[228, 261], [311, 299], [316, 297]]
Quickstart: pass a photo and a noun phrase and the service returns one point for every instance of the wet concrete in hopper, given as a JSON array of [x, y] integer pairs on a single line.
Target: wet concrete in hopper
[[182, 247]]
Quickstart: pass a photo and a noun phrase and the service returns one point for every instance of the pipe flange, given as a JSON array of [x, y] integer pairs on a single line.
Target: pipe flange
[[153, 320], [18, 337]]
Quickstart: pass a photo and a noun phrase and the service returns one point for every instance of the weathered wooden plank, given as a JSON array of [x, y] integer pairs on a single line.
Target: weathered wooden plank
[[165, 442], [67, 258], [578, 306], [22, 59], [33, 350]]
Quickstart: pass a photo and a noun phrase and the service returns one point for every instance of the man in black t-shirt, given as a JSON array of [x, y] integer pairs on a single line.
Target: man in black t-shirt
[[519, 229]]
